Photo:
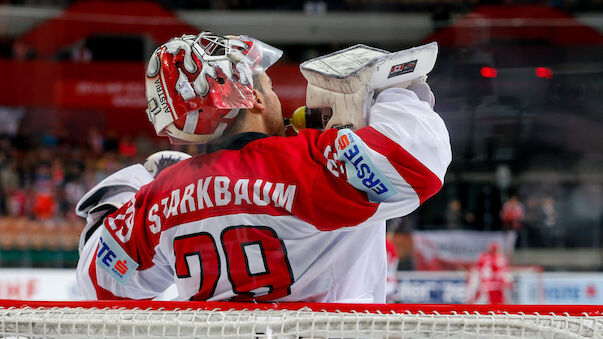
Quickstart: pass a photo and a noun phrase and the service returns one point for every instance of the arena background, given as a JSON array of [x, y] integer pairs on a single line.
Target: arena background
[[518, 84]]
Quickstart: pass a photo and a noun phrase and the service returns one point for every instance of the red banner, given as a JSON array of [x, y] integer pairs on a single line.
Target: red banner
[[455, 249], [117, 89], [100, 94]]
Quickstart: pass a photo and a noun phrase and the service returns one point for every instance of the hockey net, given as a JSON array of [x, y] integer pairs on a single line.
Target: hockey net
[[21, 319]]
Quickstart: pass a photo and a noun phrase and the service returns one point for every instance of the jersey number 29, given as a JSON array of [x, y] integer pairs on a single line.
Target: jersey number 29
[[252, 278]]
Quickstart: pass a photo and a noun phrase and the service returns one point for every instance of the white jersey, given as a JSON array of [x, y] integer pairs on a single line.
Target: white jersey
[[278, 219]]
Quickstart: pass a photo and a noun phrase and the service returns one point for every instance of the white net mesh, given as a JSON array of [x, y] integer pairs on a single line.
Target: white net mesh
[[63, 322]]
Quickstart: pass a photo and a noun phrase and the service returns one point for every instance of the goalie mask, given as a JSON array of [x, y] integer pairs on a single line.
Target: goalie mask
[[196, 85]]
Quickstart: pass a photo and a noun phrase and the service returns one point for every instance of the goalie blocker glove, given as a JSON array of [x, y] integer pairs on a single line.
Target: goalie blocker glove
[[341, 85]]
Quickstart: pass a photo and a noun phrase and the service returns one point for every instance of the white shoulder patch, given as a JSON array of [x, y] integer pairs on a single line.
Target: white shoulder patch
[[113, 259], [362, 172]]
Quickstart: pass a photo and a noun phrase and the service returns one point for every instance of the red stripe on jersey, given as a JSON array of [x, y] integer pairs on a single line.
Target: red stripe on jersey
[[423, 181], [101, 293]]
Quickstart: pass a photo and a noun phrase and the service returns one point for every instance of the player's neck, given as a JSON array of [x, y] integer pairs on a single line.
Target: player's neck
[[251, 122]]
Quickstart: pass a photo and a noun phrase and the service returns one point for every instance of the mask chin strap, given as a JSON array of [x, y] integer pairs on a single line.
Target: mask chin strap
[[179, 137]]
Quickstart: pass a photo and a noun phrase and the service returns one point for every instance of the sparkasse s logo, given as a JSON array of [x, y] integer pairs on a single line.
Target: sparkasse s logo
[[121, 266], [343, 142], [108, 256], [113, 259], [404, 68]]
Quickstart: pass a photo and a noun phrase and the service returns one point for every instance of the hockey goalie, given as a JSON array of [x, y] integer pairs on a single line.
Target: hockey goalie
[[262, 217]]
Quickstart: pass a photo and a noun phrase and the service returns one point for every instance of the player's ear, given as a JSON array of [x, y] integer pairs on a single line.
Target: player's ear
[[258, 102]]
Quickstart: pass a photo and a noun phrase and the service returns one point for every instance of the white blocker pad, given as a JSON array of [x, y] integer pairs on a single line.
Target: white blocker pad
[[346, 80]]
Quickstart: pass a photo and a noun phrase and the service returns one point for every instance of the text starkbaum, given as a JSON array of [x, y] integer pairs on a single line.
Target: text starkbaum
[[197, 196]]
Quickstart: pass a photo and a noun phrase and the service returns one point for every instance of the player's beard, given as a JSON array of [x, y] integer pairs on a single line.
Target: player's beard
[[275, 124], [278, 128]]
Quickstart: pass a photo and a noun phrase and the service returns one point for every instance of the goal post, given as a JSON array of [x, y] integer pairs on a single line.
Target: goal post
[[153, 319]]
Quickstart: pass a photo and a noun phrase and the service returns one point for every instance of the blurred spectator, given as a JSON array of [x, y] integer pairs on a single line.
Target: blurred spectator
[[57, 172], [392, 266], [399, 231], [532, 221], [471, 220], [81, 53], [19, 203], [22, 51], [489, 280], [62, 205], [44, 205], [127, 147], [585, 205], [454, 214], [553, 233], [9, 178], [49, 140], [43, 179], [95, 140], [512, 215], [74, 191], [111, 142]]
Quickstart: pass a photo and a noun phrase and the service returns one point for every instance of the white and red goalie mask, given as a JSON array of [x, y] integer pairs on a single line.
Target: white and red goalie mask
[[196, 85]]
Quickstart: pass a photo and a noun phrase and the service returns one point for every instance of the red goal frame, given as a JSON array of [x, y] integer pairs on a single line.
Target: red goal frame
[[560, 310]]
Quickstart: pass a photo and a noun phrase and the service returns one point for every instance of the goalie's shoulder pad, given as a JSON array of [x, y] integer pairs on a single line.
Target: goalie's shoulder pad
[[115, 189], [161, 160], [95, 218]]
